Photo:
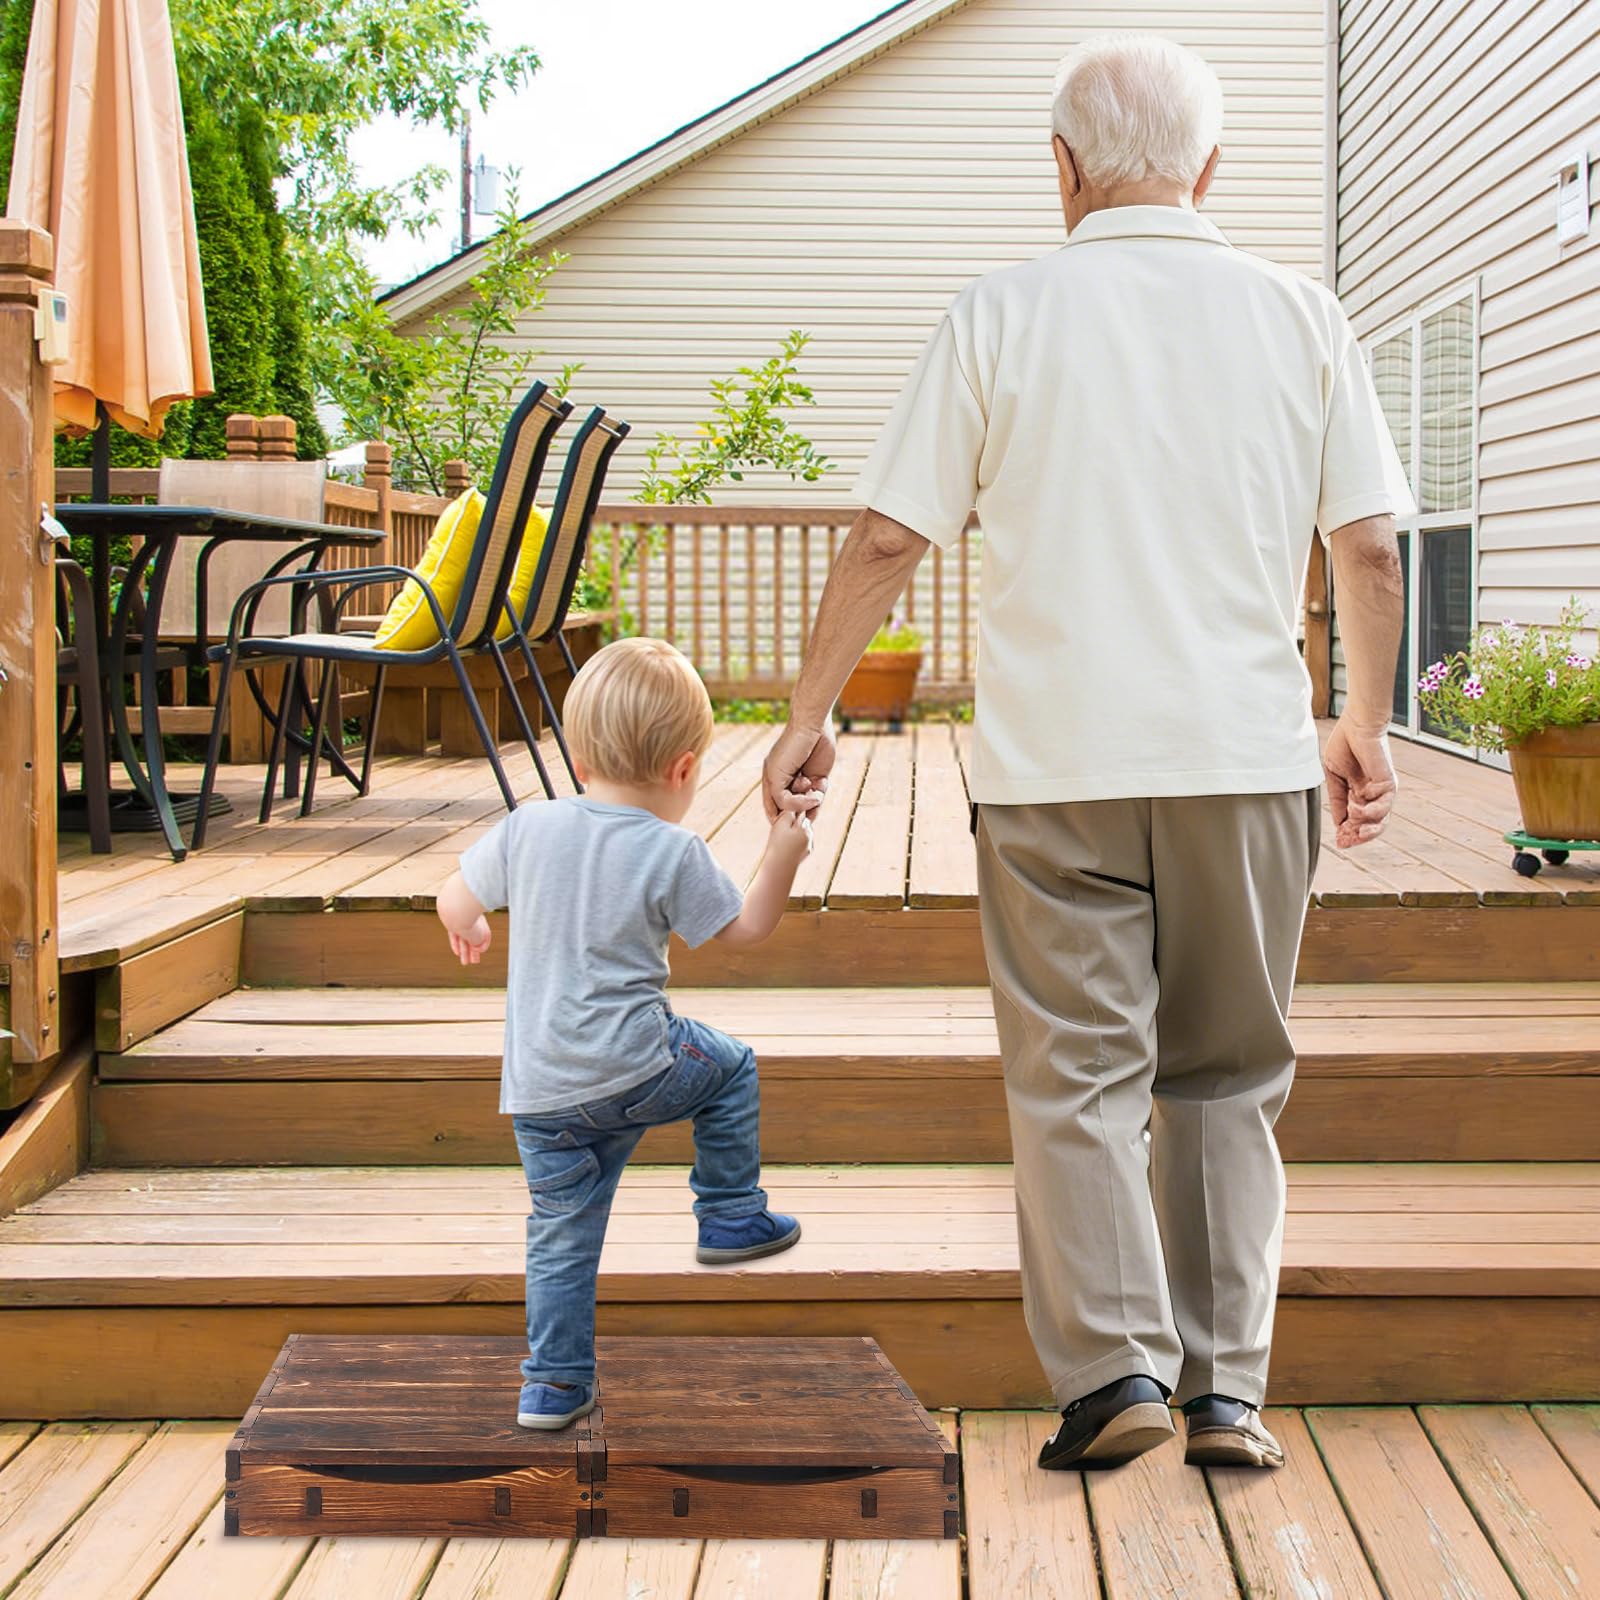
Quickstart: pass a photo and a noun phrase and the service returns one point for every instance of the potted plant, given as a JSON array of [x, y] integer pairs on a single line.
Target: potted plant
[[885, 679], [1535, 694]]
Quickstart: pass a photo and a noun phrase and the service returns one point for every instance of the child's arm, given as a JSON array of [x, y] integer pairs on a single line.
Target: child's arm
[[464, 920], [788, 845]]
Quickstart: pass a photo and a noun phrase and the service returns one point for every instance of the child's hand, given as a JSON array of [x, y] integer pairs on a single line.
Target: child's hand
[[790, 840], [469, 946]]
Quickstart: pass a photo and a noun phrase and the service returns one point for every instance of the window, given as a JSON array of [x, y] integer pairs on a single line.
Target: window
[[1426, 377]]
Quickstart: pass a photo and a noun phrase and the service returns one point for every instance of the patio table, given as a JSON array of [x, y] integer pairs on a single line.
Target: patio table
[[158, 529]]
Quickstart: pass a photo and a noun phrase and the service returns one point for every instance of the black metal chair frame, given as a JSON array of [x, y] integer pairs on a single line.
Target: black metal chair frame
[[83, 671], [531, 628], [476, 616]]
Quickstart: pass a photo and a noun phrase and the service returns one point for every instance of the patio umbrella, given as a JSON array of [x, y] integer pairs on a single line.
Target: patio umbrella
[[101, 164]]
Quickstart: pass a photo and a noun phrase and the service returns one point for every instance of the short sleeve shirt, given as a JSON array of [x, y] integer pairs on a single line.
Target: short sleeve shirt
[[594, 893], [1149, 424]]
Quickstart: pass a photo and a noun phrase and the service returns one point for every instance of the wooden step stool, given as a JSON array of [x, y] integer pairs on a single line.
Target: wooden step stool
[[699, 1438]]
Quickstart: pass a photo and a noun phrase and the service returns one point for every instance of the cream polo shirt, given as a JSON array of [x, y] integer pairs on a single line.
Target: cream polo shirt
[[1149, 423]]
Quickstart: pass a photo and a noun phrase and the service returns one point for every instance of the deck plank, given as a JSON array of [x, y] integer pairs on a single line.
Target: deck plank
[[1287, 1531], [364, 1569], [1540, 1518], [1157, 1530], [129, 1532], [871, 873], [944, 864], [210, 1564], [1575, 1432], [832, 824], [1028, 1532], [1418, 1532], [649, 1569], [899, 1569], [771, 1569], [46, 1485], [499, 1569]]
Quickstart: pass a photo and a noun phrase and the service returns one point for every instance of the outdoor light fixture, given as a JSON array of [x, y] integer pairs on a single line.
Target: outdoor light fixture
[[485, 189], [1572, 198]]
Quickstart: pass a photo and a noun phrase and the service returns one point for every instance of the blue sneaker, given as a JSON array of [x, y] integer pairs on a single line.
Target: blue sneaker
[[544, 1406], [725, 1239]]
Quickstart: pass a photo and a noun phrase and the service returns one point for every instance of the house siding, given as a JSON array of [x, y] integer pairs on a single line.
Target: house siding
[[1451, 123], [858, 212]]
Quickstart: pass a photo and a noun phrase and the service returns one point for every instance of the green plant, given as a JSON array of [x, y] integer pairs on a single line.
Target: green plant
[[443, 392], [762, 711], [896, 634], [745, 430], [1514, 682]]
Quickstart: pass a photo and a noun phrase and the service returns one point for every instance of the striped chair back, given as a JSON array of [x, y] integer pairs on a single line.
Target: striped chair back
[[559, 562], [505, 513]]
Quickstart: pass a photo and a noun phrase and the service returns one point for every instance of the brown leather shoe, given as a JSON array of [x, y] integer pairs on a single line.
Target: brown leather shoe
[[1228, 1433]]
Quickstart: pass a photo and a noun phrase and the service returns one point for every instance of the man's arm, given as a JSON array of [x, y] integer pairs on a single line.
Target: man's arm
[[1369, 594], [869, 575]]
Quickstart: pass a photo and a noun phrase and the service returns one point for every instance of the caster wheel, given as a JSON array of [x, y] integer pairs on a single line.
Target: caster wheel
[[844, 724], [1526, 865], [895, 725], [1556, 858]]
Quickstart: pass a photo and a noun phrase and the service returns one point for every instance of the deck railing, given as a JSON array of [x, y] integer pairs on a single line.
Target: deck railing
[[734, 587]]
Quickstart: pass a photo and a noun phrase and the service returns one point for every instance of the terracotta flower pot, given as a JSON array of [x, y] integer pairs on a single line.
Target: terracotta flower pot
[[881, 687], [1557, 774]]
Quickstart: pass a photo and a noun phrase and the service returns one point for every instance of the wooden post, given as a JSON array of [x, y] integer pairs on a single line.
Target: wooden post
[[1319, 633], [457, 478], [243, 433], [378, 475], [29, 944], [278, 438]]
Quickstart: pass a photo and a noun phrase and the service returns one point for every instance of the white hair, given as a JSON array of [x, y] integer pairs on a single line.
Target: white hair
[[1132, 106]]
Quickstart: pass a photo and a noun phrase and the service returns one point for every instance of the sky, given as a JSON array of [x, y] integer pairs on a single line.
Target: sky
[[616, 76]]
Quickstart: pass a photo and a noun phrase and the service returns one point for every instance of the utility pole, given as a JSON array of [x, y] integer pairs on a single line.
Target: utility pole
[[466, 179]]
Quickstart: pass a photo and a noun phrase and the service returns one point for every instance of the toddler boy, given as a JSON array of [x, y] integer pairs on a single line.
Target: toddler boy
[[594, 1054]]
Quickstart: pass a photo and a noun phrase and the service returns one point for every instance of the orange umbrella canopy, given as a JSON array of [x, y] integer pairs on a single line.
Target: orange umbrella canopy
[[101, 164]]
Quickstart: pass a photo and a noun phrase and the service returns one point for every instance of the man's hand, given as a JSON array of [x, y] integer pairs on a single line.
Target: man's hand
[[469, 946], [794, 776], [1361, 782]]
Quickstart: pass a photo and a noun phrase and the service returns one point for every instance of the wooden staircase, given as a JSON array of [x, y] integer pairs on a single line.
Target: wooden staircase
[[273, 1154]]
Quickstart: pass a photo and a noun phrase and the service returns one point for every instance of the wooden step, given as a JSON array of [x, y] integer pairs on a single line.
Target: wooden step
[[139, 1293], [1387, 1072], [396, 940]]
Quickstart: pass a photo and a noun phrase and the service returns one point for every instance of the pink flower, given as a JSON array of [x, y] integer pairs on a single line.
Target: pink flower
[[1473, 687], [1582, 663], [1550, 676]]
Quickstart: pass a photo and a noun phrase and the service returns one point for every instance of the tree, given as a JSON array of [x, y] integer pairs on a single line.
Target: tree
[[316, 73], [444, 392]]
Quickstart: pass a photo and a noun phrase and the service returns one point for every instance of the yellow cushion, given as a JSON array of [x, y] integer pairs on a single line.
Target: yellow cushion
[[527, 564], [408, 623]]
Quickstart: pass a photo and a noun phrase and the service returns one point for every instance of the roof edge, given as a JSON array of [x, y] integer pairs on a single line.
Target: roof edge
[[683, 145]]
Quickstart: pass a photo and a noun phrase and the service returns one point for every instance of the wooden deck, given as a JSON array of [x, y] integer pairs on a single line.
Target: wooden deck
[[1477, 1503], [894, 834]]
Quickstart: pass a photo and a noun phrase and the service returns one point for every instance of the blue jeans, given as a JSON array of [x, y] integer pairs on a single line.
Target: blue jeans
[[573, 1160]]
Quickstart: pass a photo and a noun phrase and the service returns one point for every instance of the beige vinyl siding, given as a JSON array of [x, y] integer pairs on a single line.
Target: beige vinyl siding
[[859, 211], [1452, 121]]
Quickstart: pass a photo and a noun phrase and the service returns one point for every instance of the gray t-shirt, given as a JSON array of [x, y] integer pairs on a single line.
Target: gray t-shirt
[[593, 892]]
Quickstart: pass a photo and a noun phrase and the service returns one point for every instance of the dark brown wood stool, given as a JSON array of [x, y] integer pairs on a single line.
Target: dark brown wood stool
[[417, 1436]]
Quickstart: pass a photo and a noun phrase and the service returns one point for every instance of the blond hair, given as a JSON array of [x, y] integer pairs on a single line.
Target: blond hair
[[636, 706]]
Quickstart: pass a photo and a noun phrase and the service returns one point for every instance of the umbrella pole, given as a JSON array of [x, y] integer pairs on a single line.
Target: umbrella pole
[[100, 493]]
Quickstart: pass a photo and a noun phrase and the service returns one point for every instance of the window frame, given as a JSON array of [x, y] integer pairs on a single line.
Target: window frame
[[1421, 523]]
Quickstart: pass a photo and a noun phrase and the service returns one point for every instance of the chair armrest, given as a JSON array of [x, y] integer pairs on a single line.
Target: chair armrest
[[357, 577]]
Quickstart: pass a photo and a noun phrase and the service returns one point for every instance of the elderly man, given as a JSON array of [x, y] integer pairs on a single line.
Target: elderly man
[[1149, 422]]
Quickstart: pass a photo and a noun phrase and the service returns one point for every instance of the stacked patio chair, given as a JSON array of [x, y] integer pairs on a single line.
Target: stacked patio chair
[[560, 561], [472, 626]]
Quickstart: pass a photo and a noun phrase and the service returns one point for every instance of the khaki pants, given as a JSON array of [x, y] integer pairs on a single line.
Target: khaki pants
[[1142, 954]]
